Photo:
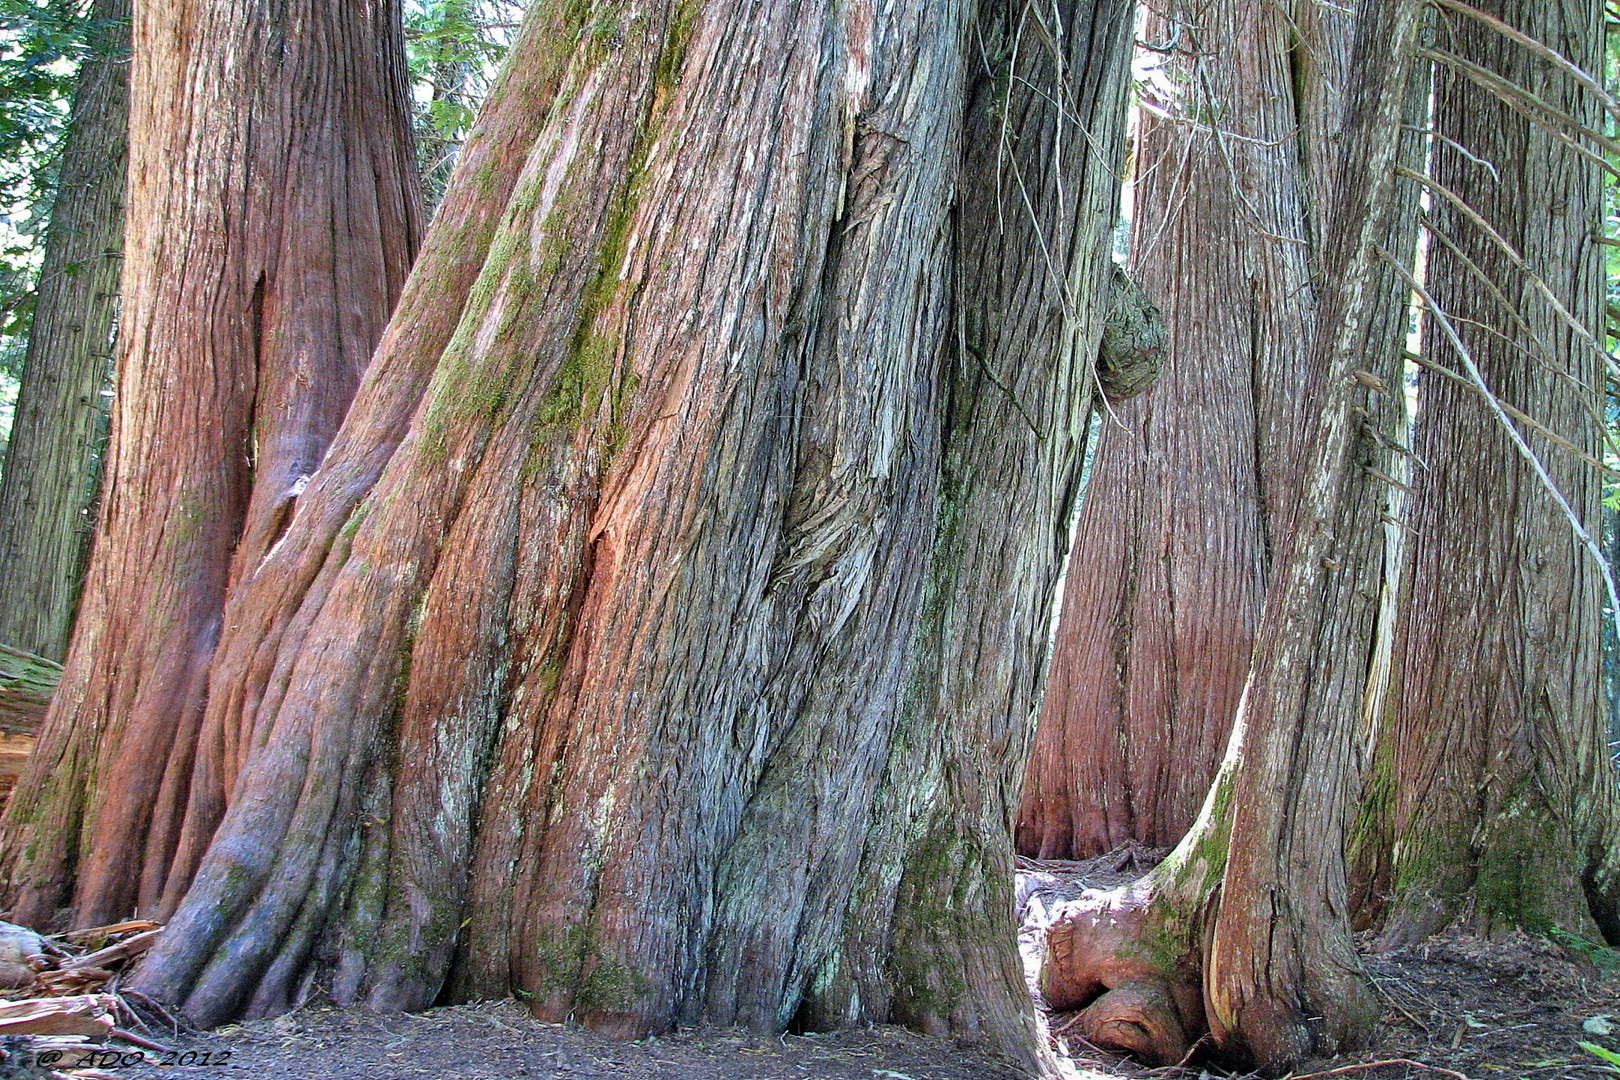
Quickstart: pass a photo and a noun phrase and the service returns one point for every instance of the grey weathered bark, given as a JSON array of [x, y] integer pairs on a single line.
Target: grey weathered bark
[[273, 212], [660, 637], [1193, 481], [1500, 798], [47, 484]]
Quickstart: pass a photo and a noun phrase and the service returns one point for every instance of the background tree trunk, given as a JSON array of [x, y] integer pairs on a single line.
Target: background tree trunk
[[661, 635], [1191, 483], [1244, 927], [273, 213], [1501, 798], [49, 461]]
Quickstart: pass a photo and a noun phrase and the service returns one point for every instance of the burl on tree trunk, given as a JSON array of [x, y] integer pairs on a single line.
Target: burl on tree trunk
[[1244, 929]]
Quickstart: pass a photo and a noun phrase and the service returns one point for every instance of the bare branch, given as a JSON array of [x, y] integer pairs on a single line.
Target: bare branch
[[1496, 238], [1529, 106], [1574, 70], [1516, 413], [1523, 447], [1457, 146], [1537, 352]]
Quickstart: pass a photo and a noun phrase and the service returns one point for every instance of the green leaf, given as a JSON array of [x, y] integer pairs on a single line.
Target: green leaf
[[1607, 1055]]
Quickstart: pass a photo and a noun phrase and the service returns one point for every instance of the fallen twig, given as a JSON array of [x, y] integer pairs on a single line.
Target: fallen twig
[[123, 950], [143, 1043], [126, 996]]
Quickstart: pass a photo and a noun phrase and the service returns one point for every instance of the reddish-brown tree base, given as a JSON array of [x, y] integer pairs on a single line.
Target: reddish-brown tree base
[[1131, 1002]]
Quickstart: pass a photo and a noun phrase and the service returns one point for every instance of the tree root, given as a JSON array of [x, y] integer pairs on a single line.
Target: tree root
[[1099, 959]]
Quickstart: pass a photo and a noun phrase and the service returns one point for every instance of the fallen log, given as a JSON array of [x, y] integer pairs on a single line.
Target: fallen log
[[26, 685], [89, 1014], [123, 950]]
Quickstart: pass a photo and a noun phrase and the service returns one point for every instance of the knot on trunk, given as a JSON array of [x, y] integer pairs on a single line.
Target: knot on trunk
[[1133, 340]]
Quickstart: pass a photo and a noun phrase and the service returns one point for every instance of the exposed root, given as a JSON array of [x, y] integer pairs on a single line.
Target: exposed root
[[1100, 959]]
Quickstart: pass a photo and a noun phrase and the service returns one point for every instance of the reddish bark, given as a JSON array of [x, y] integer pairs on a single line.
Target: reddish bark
[[1191, 482], [660, 636], [272, 217]]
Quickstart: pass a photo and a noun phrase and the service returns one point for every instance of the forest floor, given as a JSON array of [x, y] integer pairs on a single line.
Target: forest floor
[[1454, 1007]]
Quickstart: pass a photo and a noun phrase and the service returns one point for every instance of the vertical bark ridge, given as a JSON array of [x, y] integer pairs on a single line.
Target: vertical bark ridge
[[1503, 800], [1282, 978], [231, 377], [715, 628], [926, 942], [520, 338], [276, 597]]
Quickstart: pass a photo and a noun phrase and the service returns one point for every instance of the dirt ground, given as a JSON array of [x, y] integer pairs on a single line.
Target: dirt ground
[[1454, 1007], [500, 1041]]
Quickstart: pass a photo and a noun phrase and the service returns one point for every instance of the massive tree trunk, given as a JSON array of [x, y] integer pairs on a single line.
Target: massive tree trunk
[[1192, 482], [1245, 928], [1501, 800], [272, 218], [660, 637], [47, 483]]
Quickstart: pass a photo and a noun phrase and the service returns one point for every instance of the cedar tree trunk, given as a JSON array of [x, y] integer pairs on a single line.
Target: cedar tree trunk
[[1501, 799], [49, 462], [661, 636], [1191, 482], [1244, 928], [273, 213]]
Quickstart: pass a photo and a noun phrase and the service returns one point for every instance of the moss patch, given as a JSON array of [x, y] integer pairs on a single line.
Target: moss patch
[[559, 953], [672, 58], [611, 986]]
